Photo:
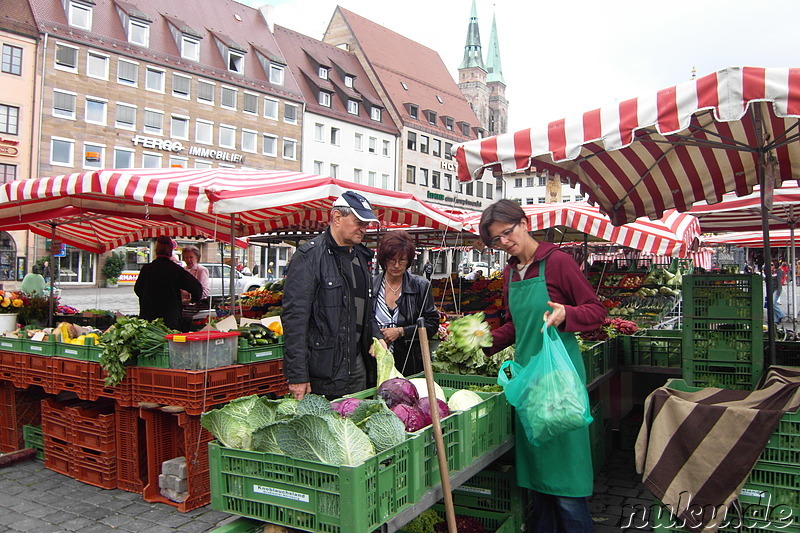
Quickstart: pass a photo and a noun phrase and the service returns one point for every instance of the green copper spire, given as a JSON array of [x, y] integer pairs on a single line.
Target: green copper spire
[[473, 57], [493, 66]]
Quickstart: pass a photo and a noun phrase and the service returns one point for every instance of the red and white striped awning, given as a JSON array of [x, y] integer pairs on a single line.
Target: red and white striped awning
[[744, 213], [695, 141], [674, 235], [208, 202], [753, 239]]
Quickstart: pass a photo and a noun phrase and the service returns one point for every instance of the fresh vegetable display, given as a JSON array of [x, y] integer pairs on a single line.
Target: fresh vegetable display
[[128, 339], [385, 362], [257, 334], [462, 351]]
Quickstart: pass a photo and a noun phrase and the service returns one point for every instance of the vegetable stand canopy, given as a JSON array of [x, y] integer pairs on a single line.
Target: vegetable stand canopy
[[675, 234], [724, 132], [752, 239], [102, 209], [739, 214]]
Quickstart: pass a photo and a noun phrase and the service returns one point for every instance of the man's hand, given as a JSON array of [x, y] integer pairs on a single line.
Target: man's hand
[[299, 390], [556, 316]]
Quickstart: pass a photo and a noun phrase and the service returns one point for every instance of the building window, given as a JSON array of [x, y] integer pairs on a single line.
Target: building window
[[250, 103], [412, 141], [448, 151], [202, 163], [517, 183], [385, 181], [290, 149], [323, 73], [348, 81], [276, 75], [154, 80], [529, 182], [436, 148], [290, 113], [352, 107], [479, 189], [97, 66], [529, 201], [138, 33], [227, 136], [150, 160], [126, 117], [123, 158], [66, 58], [127, 73], [12, 60], [227, 97], [179, 127], [190, 48], [357, 175], [373, 145], [465, 129], [334, 171], [153, 121], [93, 155], [270, 145], [541, 200], [489, 192], [431, 117], [448, 182], [178, 162], [542, 181], [64, 104], [468, 189], [371, 176], [386, 147], [424, 141], [61, 151], [204, 131], [249, 141], [335, 136], [235, 61], [358, 142], [9, 119], [181, 86], [96, 111], [423, 176], [319, 167], [375, 114], [448, 123], [436, 180], [7, 172], [413, 111], [319, 132], [205, 92], [79, 16], [411, 174], [324, 99], [271, 108]]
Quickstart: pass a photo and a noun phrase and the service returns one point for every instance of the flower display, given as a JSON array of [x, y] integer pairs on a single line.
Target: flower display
[[13, 301]]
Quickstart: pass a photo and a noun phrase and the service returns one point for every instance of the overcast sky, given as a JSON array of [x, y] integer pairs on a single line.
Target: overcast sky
[[563, 57]]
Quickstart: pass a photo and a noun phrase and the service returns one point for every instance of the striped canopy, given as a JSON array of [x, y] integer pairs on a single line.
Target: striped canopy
[[695, 141], [102, 209], [673, 235], [744, 213], [753, 239]]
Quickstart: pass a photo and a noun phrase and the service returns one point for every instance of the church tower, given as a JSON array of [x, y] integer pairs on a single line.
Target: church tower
[[498, 105], [472, 72]]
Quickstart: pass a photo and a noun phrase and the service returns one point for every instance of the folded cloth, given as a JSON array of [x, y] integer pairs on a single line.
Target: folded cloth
[[695, 450]]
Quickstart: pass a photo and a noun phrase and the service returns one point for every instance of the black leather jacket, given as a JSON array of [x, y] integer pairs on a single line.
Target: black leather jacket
[[319, 320], [415, 301]]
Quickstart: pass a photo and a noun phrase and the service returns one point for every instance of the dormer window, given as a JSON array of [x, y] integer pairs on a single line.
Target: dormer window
[[375, 114], [235, 61], [276, 74], [138, 32], [79, 14], [348, 81], [324, 98], [464, 128], [190, 48], [432, 117], [352, 107], [448, 123], [413, 111], [323, 73]]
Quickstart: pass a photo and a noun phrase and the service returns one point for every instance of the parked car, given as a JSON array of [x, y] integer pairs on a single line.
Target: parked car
[[483, 267], [220, 277]]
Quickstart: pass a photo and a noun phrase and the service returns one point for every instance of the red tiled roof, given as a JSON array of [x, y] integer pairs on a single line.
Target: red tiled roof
[[16, 16], [397, 59]]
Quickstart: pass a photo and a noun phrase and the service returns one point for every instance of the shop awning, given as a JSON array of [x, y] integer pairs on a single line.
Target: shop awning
[[744, 213]]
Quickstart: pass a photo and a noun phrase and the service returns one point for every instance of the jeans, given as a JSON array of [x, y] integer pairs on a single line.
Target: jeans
[[778, 313], [551, 514]]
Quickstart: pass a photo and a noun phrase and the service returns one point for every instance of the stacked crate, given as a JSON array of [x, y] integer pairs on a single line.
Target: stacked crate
[[723, 333], [18, 408]]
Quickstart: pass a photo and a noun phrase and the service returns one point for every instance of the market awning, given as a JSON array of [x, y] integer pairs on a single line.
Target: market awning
[[752, 239], [724, 132], [673, 235], [744, 213]]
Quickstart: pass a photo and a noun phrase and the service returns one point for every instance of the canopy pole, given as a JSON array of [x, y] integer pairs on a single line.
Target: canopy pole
[[232, 284], [767, 266], [52, 275], [792, 282]]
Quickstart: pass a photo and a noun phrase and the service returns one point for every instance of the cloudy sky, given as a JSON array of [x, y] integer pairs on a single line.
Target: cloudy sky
[[563, 57]]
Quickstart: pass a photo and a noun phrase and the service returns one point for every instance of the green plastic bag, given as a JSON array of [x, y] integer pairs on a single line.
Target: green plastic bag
[[549, 396]]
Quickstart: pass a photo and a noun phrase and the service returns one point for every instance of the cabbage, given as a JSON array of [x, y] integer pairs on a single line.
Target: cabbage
[[384, 430], [424, 407], [346, 406], [463, 400], [326, 439], [422, 388], [412, 418], [395, 391], [470, 332], [234, 424], [385, 362]]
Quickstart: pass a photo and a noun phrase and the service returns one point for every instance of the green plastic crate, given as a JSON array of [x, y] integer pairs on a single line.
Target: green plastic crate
[[784, 443], [729, 296], [311, 496], [33, 438], [737, 376], [494, 522], [37, 347], [723, 340], [256, 354], [656, 347], [11, 344], [158, 361]]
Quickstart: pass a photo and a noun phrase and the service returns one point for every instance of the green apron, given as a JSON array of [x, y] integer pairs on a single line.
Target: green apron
[[562, 466]]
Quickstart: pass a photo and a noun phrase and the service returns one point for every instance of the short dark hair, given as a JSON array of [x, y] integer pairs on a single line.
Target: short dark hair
[[396, 244], [36, 269], [507, 211], [164, 246]]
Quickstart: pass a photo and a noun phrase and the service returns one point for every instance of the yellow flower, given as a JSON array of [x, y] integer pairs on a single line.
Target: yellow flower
[[6, 302], [18, 302]]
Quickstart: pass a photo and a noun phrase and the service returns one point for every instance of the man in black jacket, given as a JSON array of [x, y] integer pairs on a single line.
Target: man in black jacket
[[327, 307]]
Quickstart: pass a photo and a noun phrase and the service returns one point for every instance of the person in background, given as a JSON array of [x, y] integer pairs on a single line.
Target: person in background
[[47, 272], [475, 275], [160, 283], [33, 284], [191, 256], [328, 317], [777, 282], [543, 286], [786, 274], [400, 299], [246, 271], [427, 269]]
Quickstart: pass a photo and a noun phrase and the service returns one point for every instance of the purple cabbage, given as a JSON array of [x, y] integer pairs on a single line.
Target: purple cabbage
[[397, 391], [346, 406], [424, 407], [411, 417]]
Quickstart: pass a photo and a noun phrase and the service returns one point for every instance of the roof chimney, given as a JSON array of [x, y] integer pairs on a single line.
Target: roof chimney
[[268, 12]]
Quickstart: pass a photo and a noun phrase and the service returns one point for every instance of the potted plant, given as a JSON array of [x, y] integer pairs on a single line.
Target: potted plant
[[112, 268]]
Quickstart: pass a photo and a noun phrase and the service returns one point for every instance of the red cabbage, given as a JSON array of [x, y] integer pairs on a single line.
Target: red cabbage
[[410, 416], [396, 391], [346, 406], [424, 407]]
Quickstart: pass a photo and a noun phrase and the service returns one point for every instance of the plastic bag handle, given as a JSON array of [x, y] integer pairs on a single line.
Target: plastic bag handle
[[502, 376]]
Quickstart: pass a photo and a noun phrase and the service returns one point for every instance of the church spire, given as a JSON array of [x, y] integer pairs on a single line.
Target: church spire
[[473, 56], [493, 66]]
